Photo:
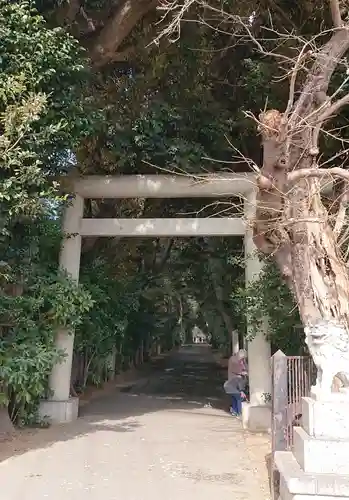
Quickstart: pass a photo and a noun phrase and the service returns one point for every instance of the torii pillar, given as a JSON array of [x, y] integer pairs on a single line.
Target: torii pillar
[[61, 407], [256, 414]]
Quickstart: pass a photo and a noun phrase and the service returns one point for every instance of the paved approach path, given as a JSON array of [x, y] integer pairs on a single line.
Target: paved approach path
[[162, 438]]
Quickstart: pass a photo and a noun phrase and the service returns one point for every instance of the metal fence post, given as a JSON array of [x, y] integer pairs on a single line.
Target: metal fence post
[[279, 414], [279, 401]]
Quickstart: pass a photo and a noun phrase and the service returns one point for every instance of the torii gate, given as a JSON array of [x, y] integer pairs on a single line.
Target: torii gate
[[61, 407]]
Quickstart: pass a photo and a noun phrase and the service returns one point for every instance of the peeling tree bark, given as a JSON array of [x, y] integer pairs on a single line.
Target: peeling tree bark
[[292, 224]]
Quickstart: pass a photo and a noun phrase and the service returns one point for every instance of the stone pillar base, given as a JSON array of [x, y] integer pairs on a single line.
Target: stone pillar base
[[318, 469], [256, 418], [295, 484], [59, 412]]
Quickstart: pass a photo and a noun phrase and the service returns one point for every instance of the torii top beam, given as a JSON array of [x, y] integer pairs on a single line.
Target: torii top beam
[[161, 186]]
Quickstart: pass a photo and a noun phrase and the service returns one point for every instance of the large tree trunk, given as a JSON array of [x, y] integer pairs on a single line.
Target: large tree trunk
[[300, 237], [6, 427], [292, 224]]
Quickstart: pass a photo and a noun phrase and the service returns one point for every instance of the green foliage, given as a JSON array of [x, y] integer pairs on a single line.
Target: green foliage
[[178, 108], [103, 327], [35, 300], [41, 108], [27, 350], [269, 297], [25, 363], [43, 116], [163, 115]]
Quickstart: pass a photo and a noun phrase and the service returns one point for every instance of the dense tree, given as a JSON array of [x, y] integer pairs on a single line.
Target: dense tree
[[83, 90], [42, 70], [292, 221], [304, 147]]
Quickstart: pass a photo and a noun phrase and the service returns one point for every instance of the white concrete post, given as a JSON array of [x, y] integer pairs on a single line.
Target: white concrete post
[[60, 407], [235, 342], [259, 353]]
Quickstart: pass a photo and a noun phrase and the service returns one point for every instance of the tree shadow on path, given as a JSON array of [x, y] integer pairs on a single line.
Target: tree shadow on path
[[183, 381]]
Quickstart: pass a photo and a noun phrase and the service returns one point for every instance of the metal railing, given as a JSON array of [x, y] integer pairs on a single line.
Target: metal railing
[[293, 377], [301, 375]]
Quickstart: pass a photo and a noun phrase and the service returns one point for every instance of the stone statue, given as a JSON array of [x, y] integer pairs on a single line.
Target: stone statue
[[328, 344]]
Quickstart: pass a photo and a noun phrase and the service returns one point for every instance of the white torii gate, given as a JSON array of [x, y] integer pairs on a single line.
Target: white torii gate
[[61, 407]]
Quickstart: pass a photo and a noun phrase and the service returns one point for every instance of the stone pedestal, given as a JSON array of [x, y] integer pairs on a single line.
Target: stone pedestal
[[318, 467], [256, 418], [59, 412]]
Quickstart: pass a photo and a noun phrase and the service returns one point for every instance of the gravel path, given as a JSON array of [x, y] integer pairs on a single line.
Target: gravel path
[[166, 436]]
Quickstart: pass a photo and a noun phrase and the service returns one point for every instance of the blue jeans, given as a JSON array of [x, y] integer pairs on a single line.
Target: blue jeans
[[236, 405]]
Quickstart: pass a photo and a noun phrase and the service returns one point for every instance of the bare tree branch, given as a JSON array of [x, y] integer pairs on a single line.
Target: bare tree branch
[[117, 29], [88, 19], [281, 11], [341, 215], [293, 82], [304, 173], [336, 13], [68, 12], [334, 109], [292, 223], [319, 77]]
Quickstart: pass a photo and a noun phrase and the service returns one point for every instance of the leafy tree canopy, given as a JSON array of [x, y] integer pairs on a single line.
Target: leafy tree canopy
[[84, 90]]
